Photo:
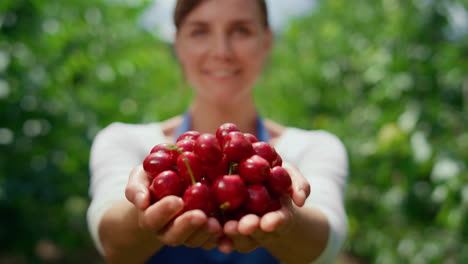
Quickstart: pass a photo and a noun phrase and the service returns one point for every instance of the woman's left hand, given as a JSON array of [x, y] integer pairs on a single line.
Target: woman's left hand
[[252, 231]]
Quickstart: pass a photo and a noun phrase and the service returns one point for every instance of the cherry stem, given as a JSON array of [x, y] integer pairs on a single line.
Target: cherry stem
[[224, 206], [231, 167], [223, 214], [173, 147]]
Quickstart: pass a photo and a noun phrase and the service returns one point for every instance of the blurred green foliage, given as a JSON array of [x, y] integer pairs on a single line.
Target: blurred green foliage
[[389, 77]]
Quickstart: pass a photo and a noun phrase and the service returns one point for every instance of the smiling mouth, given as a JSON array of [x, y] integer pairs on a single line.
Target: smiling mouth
[[222, 74]]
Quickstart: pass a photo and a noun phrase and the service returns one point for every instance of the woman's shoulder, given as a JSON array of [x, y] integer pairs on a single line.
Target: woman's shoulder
[[315, 139], [312, 136], [116, 128], [130, 133], [281, 133], [298, 142], [154, 131]]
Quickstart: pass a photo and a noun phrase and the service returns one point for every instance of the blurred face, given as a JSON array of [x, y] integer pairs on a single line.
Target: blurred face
[[222, 45]]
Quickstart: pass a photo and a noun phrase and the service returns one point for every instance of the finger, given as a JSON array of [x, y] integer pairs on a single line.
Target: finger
[[244, 244], [216, 230], [239, 232], [136, 190], [300, 185], [158, 215], [225, 245], [248, 224], [237, 241], [182, 228], [271, 226], [230, 228], [274, 221], [213, 241], [207, 235]]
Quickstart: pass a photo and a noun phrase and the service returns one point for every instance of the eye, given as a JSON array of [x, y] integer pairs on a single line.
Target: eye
[[198, 32], [242, 30]]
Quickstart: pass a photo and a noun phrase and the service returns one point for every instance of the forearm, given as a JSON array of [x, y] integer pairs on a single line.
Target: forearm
[[122, 238], [304, 240]]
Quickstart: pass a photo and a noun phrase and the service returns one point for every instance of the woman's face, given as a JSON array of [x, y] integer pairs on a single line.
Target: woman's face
[[222, 45]]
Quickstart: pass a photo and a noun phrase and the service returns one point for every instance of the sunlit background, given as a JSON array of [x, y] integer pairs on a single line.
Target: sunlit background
[[389, 77]]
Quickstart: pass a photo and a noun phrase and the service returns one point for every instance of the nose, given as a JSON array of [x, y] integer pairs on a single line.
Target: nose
[[222, 47]]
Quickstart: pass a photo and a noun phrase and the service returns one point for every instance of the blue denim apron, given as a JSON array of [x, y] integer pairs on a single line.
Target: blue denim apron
[[184, 255]]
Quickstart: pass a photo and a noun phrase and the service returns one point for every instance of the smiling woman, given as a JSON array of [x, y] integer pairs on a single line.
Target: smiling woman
[[221, 46]]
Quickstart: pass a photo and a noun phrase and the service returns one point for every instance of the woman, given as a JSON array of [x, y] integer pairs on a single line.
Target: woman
[[222, 46]]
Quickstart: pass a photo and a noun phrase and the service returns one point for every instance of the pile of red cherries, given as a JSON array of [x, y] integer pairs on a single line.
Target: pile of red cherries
[[226, 175]]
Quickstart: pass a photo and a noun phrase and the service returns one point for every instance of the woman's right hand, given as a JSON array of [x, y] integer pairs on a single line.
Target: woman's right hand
[[192, 228]]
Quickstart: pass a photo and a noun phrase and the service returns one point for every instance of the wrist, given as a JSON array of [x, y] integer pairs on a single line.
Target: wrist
[[303, 239], [123, 239]]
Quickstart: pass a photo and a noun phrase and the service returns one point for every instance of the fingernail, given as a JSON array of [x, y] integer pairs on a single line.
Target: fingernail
[[302, 197], [176, 205], [197, 221], [140, 199], [303, 194]]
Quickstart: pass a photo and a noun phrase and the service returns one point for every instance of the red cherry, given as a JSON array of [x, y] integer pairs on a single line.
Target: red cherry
[[255, 169], [230, 191], [223, 130], [188, 135], [185, 145], [258, 199], [279, 181], [167, 148], [199, 196], [275, 204], [212, 172], [164, 147], [157, 162], [277, 162], [251, 137], [195, 166], [166, 183], [265, 151], [208, 150], [237, 147]]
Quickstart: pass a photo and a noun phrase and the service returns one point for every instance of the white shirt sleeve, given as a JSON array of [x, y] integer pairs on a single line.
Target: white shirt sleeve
[[322, 159], [115, 151]]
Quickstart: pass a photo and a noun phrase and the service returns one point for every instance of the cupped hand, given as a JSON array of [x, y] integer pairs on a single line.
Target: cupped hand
[[164, 218], [252, 231]]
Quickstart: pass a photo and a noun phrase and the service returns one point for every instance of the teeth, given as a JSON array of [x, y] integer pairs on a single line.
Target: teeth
[[222, 74]]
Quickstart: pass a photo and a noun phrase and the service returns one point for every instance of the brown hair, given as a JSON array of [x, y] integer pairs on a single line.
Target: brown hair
[[184, 7]]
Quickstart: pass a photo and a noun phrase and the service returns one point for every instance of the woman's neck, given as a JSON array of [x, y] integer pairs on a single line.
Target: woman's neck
[[207, 117]]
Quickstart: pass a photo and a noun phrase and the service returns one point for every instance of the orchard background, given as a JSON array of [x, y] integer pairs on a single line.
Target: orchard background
[[389, 77]]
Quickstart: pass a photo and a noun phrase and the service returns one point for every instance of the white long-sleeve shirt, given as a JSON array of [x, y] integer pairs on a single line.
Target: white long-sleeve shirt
[[319, 156]]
